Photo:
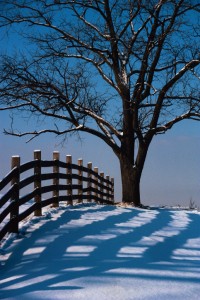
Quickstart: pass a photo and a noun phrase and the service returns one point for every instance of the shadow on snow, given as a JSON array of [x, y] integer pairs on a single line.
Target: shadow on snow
[[103, 242]]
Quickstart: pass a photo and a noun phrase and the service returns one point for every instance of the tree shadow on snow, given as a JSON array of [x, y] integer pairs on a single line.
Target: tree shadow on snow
[[102, 242]]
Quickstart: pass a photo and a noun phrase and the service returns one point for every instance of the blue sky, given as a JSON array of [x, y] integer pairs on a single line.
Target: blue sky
[[171, 174]]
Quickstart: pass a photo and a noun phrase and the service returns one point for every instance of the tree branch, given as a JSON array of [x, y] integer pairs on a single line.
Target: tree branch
[[170, 124]]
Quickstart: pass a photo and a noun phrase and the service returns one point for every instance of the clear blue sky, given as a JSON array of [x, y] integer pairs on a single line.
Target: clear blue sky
[[171, 174]]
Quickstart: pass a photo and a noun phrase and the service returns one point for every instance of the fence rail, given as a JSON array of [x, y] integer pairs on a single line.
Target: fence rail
[[56, 180]]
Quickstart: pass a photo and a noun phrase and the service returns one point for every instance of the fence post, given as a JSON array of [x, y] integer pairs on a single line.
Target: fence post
[[14, 214], [107, 184], [37, 182], [96, 170], [101, 187], [113, 189], [89, 184], [56, 157], [80, 181], [69, 179]]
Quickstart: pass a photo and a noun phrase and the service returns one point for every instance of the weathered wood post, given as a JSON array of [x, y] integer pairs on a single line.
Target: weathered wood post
[[69, 179], [89, 183], [56, 157], [14, 214], [96, 170], [107, 184], [37, 182], [80, 181], [101, 187], [113, 189]]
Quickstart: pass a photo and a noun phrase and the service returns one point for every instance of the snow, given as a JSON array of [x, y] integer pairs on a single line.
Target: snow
[[101, 252]]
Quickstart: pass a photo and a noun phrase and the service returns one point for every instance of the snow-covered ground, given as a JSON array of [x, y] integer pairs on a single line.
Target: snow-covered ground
[[99, 252]]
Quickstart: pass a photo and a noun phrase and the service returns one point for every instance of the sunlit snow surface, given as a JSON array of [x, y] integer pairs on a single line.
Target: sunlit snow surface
[[96, 252]]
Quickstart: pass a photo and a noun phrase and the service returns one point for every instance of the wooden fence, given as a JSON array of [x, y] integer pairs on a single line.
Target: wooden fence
[[57, 180]]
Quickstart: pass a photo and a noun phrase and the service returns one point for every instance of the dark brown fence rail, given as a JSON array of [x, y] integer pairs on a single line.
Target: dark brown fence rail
[[48, 182]]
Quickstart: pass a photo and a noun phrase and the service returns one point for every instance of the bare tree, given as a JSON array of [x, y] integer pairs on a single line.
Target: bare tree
[[123, 71]]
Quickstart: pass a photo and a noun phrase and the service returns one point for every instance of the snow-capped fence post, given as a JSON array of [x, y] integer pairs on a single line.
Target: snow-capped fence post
[[89, 183], [56, 157], [37, 182], [14, 214], [80, 181], [108, 179], [69, 179], [96, 170], [101, 184], [113, 184]]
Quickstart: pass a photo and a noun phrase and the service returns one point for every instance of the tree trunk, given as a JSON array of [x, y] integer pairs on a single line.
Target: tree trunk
[[130, 182], [131, 175]]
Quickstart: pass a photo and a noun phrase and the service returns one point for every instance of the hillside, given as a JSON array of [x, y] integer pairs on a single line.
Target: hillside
[[104, 252]]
